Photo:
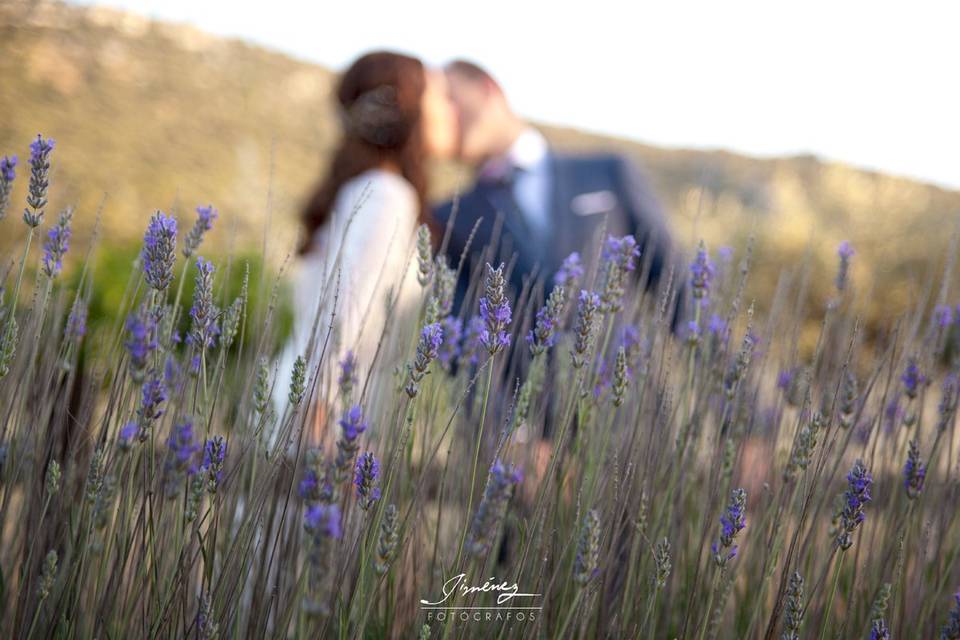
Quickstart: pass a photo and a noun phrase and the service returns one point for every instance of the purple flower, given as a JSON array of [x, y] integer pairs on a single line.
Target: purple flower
[[855, 498], [203, 313], [912, 378], [544, 332], [785, 378], [951, 630], [732, 523], [352, 423], [214, 453], [204, 222], [152, 395], [845, 252], [58, 241], [471, 341], [630, 337], [180, 461], [622, 251], [691, 332], [701, 271], [76, 325], [323, 520], [619, 258], [348, 373], [879, 630], [485, 527], [8, 170], [431, 337], [914, 471], [365, 479], [127, 434], [452, 329], [586, 327], [142, 341], [159, 250], [56, 245], [717, 326], [943, 315], [7, 174], [309, 485], [570, 271], [182, 446], [40, 150], [495, 311]]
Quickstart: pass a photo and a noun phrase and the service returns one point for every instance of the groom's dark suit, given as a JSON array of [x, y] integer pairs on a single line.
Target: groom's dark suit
[[586, 193]]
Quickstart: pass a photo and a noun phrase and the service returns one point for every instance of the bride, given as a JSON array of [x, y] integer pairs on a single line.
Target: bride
[[359, 225]]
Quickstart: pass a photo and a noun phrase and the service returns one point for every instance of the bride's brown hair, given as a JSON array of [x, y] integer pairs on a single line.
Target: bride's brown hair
[[379, 98]]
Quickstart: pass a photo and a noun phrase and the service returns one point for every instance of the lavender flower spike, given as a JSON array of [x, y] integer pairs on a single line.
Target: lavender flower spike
[[348, 374], [585, 565], [544, 332], [204, 222], [845, 252], [914, 471], [619, 258], [152, 395], [365, 478], [324, 520], [951, 630], [794, 609], [214, 453], [159, 251], [57, 244], [76, 325], [570, 271], [855, 498], [203, 313], [585, 328], [452, 327], [485, 527], [495, 311], [431, 337], [40, 150], [701, 271], [879, 630], [731, 523], [351, 425], [180, 465], [142, 329], [7, 175]]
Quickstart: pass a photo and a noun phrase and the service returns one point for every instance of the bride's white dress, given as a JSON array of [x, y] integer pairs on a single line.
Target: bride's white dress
[[369, 241]]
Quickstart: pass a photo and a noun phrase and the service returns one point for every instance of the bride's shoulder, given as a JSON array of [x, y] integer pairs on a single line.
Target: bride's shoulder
[[376, 190]]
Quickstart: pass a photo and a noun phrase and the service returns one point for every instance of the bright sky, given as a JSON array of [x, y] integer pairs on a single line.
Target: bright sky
[[874, 83]]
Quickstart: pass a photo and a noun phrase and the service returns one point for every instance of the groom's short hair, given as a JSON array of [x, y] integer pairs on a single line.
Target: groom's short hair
[[471, 71]]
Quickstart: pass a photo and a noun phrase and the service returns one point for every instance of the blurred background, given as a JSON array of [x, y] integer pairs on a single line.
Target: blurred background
[[801, 127]]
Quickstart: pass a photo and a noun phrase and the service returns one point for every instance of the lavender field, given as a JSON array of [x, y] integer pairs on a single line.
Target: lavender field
[[702, 476]]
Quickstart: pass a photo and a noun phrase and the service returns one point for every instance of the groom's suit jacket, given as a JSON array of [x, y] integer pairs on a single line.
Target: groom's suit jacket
[[589, 196]]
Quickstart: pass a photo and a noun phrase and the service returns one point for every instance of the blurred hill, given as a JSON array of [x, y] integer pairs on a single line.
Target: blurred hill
[[156, 115]]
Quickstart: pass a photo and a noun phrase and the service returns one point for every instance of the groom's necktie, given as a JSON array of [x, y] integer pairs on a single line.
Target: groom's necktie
[[500, 178]]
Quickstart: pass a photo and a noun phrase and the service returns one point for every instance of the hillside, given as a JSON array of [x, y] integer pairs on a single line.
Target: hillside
[[157, 115]]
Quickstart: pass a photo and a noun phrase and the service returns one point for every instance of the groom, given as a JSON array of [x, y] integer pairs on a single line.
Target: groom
[[535, 203]]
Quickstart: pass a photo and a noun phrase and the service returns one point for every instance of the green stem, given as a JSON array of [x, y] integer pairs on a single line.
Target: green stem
[[833, 592]]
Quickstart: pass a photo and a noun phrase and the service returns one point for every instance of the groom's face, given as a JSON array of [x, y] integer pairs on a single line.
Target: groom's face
[[470, 99]]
